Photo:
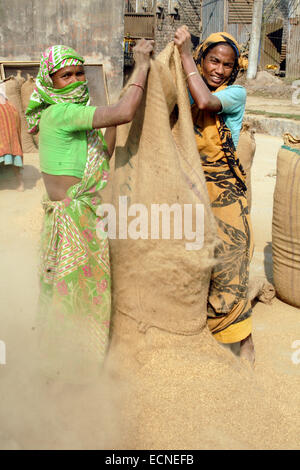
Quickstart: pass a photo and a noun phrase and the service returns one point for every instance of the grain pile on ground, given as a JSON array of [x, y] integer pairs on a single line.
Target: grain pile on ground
[[188, 392], [286, 222]]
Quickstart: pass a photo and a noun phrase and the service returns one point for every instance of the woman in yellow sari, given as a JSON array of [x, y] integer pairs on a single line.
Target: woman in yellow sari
[[217, 109]]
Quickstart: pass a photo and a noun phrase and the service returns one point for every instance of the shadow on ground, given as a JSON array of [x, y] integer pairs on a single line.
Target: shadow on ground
[[268, 262], [8, 180]]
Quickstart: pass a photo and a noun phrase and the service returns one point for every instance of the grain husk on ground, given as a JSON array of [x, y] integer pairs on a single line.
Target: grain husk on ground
[[188, 392]]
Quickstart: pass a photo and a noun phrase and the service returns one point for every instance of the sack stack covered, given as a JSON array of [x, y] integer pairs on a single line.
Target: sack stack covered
[[13, 88], [286, 223], [26, 91]]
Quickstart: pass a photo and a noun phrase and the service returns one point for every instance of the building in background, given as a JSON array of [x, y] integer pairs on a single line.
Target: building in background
[[280, 40], [293, 40], [159, 20], [94, 28], [232, 16]]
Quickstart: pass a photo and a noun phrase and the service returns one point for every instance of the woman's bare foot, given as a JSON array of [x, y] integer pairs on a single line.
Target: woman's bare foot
[[247, 350]]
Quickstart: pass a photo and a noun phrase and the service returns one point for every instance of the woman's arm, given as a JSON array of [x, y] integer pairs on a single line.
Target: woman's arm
[[124, 110], [110, 139], [201, 94]]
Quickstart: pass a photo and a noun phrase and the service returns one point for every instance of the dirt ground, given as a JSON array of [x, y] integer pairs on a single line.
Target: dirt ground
[[267, 85], [276, 105], [276, 326]]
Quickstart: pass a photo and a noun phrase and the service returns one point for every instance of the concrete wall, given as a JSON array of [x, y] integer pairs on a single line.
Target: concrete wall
[[94, 28]]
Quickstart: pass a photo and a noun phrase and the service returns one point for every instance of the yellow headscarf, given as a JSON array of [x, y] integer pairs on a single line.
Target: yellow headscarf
[[213, 138], [212, 41]]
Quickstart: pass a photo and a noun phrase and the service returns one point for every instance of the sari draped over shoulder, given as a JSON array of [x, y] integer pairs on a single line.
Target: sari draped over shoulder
[[229, 309], [75, 301], [74, 304]]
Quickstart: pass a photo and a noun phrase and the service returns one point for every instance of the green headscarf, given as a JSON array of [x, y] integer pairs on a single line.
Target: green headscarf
[[52, 60]]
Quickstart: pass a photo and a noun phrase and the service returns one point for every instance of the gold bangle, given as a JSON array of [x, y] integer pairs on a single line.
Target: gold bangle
[[190, 75], [136, 84]]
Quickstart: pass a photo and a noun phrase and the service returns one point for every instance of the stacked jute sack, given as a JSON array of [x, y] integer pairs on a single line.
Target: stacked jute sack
[[286, 222], [173, 386], [18, 92], [245, 153]]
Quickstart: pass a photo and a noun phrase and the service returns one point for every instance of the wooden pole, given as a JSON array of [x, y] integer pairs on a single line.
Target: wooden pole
[[255, 39]]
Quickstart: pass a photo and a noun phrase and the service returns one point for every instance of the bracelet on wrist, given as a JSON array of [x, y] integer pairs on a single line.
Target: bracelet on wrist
[[136, 84], [190, 75]]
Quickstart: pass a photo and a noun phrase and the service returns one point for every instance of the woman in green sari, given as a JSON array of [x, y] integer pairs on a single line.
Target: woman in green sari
[[75, 299]]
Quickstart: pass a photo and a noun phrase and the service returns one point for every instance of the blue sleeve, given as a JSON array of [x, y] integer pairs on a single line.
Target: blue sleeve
[[191, 98], [233, 99]]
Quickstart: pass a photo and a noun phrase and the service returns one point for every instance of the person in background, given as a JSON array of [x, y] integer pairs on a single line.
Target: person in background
[[75, 284], [218, 107], [11, 152]]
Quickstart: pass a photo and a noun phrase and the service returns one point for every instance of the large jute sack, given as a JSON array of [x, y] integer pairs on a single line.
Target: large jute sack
[[12, 90], [26, 91], [161, 282], [13, 93], [174, 385], [286, 223], [19, 78], [245, 153]]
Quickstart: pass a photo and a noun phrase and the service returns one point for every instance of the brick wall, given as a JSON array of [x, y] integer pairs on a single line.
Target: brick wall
[[189, 13]]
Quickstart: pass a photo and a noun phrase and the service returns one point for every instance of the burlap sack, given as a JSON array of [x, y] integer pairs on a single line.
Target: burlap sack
[[286, 223], [19, 78], [245, 153], [13, 93], [26, 91], [176, 387], [12, 90], [158, 281]]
